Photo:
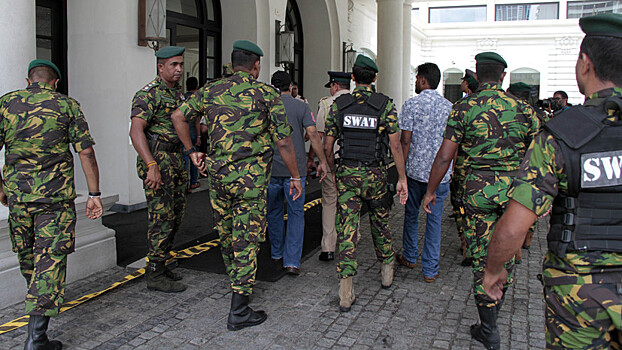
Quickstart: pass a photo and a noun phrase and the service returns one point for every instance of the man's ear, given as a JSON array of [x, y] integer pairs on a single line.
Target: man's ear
[[502, 77]]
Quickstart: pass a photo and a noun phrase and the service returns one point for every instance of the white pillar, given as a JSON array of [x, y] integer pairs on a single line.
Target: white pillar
[[390, 41], [406, 47], [17, 39]]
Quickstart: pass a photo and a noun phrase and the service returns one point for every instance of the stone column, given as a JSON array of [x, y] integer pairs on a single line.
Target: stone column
[[17, 38], [390, 41], [406, 47]]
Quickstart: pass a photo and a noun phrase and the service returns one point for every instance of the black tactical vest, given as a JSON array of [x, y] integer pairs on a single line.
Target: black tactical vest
[[359, 138], [589, 216]]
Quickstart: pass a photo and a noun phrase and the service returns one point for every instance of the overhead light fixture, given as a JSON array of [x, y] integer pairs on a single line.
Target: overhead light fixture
[[349, 56], [151, 23], [284, 44]]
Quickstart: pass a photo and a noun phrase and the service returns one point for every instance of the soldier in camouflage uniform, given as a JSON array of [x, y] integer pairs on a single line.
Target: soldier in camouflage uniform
[[245, 118], [492, 129], [160, 164], [37, 126], [582, 270], [363, 180]]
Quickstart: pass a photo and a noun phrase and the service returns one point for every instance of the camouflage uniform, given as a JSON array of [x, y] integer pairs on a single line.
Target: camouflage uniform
[[166, 206], [36, 128], [244, 118], [358, 185], [583, 290], [493, 131]]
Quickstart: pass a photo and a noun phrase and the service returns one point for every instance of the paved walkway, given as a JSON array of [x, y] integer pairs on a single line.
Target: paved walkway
[[303, 311]]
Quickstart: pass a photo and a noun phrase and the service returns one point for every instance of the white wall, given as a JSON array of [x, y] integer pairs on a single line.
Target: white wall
[[106, 68]]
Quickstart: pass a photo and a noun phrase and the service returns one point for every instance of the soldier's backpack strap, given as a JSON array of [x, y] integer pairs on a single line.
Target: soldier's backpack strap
[[564, 126], [377, 101], [344, 101]]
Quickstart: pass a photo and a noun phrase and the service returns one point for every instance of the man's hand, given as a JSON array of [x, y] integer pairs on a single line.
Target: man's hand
[[154, 179], [295, 189], [94, 208], [198, 161], [198, 143], [3, 198], [322, 170], [402, 191], [427, 199], [493, 282]]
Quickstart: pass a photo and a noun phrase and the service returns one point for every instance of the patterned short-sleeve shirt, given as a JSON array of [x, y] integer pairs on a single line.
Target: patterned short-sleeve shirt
[[425, 116], [37, 125]]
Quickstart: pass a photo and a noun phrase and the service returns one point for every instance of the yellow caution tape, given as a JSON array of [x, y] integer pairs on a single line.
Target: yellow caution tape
[[181, 254]]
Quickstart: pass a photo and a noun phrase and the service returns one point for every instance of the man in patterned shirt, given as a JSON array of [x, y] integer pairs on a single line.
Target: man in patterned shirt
[[574, 165], [37, 126], [492, 130], [422, 121], [245, 118]]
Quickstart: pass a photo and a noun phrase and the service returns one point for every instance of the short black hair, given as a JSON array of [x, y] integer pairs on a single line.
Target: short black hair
[[42, 73], [605, 53], [192, 83], [342, 84], [431, 73], [363, 75], [489, 71], [243, 59]]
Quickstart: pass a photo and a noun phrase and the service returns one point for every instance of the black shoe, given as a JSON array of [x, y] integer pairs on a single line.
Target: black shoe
[[37, 339], [277, 260], [466, 262], [242, 316], [327, 256], [487, 332]]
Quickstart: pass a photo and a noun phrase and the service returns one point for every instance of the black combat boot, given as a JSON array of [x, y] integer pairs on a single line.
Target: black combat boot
[[487, 332], [241, 315], [157, 279], [37, 339]]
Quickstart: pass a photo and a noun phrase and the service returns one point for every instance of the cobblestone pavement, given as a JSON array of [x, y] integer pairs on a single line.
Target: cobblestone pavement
[[303, 311]]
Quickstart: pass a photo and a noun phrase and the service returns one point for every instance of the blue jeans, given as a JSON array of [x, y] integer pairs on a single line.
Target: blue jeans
[[432, 244], [193, 171], [286, 245]]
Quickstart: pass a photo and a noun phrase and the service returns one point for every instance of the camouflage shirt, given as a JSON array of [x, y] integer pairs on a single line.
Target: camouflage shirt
[[36, 127], [492, 128], [244, 119], [540, 180], [388, 118], [154, 104]]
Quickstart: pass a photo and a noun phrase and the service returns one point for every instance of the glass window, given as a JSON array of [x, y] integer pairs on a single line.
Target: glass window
[[578, 9], [458, 14], [526, 12], [211, 11], [452, 80], [186, 7], [415, 12]]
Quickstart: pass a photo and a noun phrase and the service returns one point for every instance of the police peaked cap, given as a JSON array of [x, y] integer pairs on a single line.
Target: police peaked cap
[[604, 24], [43, 63], [338, 77], [247, 46], [170, 51], [490, 57], [468, 73]]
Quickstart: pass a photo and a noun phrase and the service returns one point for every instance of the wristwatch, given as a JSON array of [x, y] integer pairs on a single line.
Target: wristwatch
[[189, 151]]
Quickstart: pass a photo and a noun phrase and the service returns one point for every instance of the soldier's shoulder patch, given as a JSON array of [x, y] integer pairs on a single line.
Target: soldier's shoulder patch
[[150, 86]]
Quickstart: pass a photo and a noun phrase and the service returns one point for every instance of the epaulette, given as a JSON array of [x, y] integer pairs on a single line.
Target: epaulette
[[150, 85]]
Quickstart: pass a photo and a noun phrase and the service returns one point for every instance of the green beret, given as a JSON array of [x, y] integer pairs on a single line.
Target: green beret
[[490, 57], [520, 86], [170, 51], [471, 81], [248, 46], [43, 63], [365, 62], [605, 24]]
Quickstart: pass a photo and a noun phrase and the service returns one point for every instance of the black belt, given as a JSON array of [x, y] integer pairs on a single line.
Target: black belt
[[358, 163], [492, 172], [162, 146]]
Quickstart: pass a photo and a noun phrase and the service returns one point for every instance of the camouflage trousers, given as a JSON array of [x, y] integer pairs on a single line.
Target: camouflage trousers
[[356, 186], [583, 316], [240, 217], [485, 199], [42, 235], [166, 206]]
